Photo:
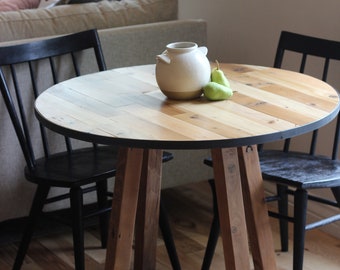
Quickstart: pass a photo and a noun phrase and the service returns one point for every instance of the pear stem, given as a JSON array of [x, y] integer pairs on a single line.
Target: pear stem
[[218, 64]]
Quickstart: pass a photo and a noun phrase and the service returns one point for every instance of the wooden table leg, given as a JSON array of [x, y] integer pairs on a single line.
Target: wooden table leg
[[148, 211], [124, 207], [259, 229], [230, 208]]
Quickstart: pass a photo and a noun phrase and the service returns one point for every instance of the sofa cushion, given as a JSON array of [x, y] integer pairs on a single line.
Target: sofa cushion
[[65, 19]]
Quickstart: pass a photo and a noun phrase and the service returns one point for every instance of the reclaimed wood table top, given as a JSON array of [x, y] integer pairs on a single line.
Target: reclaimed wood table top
[[125, 106]]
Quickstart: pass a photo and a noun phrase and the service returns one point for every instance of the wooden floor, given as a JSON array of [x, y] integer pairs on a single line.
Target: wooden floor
[[189, 210]]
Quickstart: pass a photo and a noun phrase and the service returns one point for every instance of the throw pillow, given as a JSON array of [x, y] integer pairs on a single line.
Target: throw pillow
[[9, 5]]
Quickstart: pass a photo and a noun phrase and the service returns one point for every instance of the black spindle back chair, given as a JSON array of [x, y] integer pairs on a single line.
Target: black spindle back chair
[[68, 168], [77, 165], [297, 172], [294, 173]]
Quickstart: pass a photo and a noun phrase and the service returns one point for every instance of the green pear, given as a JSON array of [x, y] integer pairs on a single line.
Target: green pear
[[218, 76], [216, 91]]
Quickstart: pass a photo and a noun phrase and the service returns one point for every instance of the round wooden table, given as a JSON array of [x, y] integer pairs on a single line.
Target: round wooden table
[[125, 107]]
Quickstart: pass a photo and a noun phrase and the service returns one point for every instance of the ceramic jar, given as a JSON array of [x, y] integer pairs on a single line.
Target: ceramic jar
[[182, 70]]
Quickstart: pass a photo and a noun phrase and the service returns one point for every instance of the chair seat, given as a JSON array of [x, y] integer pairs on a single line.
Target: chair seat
[[300, 170], [76, 169]]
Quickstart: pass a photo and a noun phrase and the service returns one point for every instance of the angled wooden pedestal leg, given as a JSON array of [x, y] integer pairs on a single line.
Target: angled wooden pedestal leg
[[259, 229], [148, 211], [230, 208], [124, 207]]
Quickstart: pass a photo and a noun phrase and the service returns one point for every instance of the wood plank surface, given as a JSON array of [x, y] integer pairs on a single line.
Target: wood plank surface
[[126, 103], [230, 206], [147, 224], [124, 208], [190, 212], [256, 209]]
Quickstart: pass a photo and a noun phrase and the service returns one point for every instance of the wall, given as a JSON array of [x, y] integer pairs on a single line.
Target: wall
[[247, 31]]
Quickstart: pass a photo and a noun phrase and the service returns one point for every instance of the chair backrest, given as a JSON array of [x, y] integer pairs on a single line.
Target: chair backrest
[[310, 46], [23, 67]]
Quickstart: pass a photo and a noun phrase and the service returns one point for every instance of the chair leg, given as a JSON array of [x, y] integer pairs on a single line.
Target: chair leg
[[104, 217], [36, 209], [76, 198], [283, 210], [167, 236], [214, 232], [300, 211], [336, 193]]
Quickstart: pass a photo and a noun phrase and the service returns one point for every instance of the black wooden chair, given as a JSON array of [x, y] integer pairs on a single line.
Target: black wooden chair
[[294, 173], [77, 167]]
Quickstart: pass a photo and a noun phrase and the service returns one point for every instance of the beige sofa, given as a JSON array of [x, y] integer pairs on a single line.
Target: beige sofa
[[132, 32]]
